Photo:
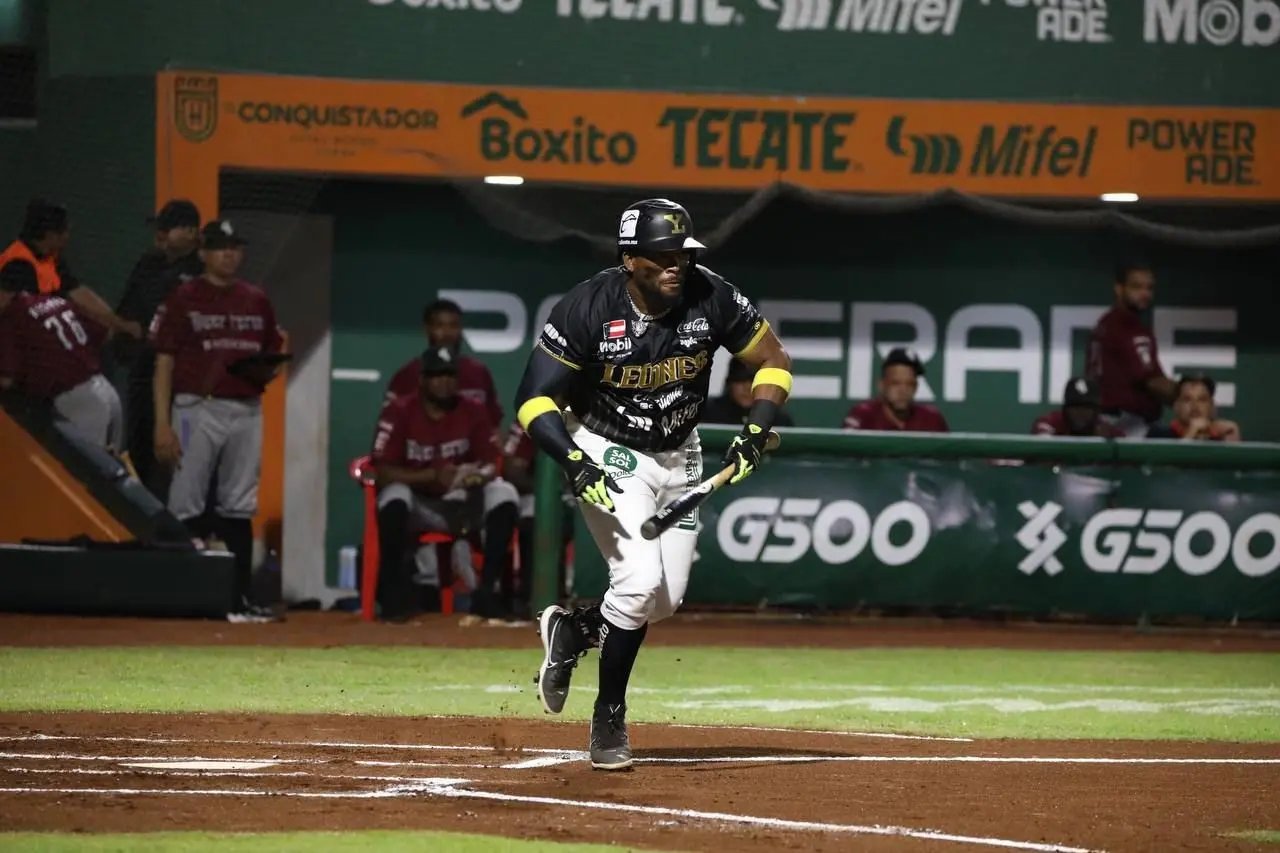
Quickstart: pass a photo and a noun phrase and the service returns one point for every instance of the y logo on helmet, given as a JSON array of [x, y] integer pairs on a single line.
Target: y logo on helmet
[[584, 143], [677, 222]]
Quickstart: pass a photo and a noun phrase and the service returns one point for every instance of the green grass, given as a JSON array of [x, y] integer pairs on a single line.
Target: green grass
[[1266, 836], [967, 692], [286, 842]]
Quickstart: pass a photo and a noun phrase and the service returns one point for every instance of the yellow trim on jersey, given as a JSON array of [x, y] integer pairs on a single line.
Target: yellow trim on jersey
[[535, 407], [562, 360], [755, 339], [772, 376]]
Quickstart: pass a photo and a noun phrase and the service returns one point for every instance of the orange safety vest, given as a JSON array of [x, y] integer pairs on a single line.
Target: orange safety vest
[[46, 268]]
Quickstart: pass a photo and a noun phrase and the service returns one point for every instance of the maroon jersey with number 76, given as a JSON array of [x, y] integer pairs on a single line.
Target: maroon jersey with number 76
[[46, 346]]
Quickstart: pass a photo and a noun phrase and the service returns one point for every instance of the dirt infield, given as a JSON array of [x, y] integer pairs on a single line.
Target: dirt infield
[[329, 629], [702, 789], [694, 788]]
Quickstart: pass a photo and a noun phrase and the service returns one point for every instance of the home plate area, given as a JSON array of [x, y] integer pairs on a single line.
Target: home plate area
[[693, 788]]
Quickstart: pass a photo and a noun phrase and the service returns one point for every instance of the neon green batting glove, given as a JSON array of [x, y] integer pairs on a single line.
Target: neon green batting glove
[[591, 484]]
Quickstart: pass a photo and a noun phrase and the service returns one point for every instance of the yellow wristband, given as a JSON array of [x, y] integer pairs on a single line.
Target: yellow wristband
[[535, 407], [772, 376]]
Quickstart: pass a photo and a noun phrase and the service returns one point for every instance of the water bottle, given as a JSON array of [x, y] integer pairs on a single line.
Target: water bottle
[[347, 567]]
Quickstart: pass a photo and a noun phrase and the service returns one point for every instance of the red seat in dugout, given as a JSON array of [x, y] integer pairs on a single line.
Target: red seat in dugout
[[362, 472]]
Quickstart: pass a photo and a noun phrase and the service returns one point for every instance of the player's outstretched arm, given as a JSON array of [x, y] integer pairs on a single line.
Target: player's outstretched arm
[[545, 377], [770, 390]]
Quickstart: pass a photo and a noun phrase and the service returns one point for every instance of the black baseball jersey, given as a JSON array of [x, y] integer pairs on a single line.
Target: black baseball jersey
[[645, 388]]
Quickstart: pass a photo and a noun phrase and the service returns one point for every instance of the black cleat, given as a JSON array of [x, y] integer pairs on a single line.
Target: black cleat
[[562, 645], [610, 745]]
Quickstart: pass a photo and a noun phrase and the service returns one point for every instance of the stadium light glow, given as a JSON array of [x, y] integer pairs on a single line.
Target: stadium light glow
[[1120, 197], [504, 180]]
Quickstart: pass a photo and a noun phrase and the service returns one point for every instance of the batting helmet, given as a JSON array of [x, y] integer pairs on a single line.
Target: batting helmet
[[655, 225]]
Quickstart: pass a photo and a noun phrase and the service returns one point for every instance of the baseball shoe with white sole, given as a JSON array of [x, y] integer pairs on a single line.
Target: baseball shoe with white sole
[[562, 645], [610, 745]]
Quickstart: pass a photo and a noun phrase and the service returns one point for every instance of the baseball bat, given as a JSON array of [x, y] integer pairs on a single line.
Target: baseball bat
[[666, 517]]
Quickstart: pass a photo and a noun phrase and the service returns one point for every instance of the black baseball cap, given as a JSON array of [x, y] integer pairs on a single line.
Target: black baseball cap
[[1081, 392], [176, 213], [903, 356], [437, 360], [44, 217], [220, 234]]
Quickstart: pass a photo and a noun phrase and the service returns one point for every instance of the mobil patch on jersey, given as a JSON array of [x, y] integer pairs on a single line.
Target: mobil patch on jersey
[[615, 329]]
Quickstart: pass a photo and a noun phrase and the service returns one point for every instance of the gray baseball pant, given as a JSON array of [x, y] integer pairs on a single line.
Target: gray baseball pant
[[92, 411]]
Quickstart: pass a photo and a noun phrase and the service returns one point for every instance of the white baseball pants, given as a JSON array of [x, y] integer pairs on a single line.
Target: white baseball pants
[[647, 578]]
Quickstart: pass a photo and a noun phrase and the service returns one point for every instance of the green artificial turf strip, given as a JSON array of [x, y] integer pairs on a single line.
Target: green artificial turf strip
[[963, 692], [1266, 836]]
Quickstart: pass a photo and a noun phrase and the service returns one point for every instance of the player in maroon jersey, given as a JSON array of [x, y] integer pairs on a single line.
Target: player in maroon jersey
[[1078, 416], [49, 351], [1123, 358], [435, 462], [896, 407], [1195, 417], [217, 346], [442, 324]]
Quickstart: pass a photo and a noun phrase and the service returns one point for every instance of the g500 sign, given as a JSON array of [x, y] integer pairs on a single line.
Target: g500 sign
[[1042, 358], [774, 530], [1133, 541]]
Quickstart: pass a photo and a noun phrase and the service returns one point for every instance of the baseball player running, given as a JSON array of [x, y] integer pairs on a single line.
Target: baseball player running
[[630, 352], [214, 336]]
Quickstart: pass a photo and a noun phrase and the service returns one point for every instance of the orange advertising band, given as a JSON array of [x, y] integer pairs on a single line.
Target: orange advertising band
[[712, 141]]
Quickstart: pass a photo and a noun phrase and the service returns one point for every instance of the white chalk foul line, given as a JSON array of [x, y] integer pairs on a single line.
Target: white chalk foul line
[[426, 747], [76, 756], [882, 735], [436, 788], [449, 788]]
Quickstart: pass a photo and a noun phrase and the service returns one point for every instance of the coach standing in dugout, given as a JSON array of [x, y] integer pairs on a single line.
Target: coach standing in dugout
[[1123, 358], [172, 260], [34, 264], [217, 346]]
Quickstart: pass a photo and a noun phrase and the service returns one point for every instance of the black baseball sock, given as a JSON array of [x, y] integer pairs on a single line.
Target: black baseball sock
[[618, 650], [237, 533], [393, 592]]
